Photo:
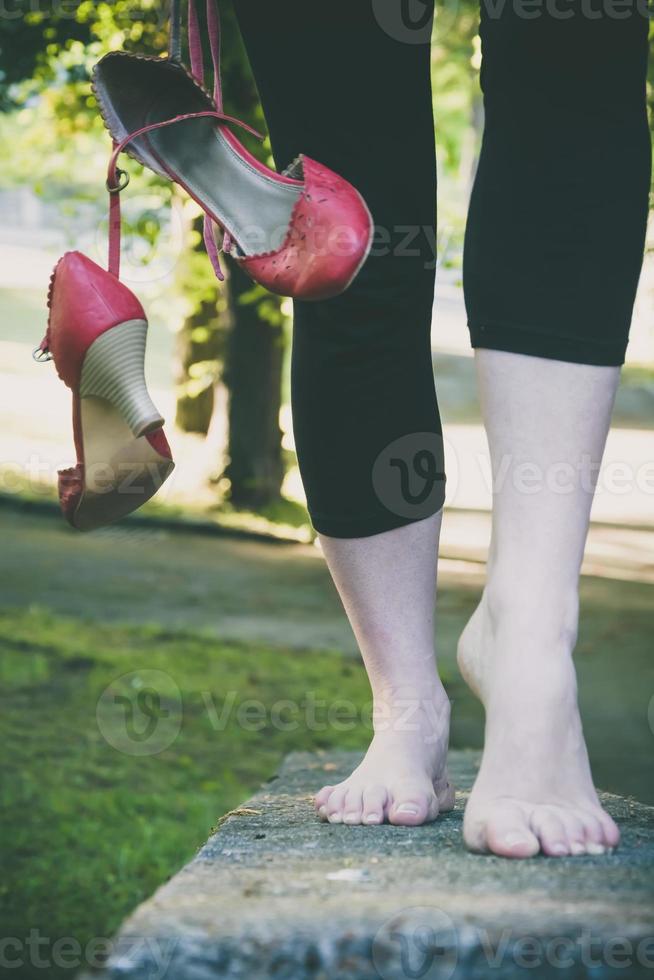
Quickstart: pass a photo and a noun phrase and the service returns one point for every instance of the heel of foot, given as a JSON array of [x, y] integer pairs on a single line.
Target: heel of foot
[[469, 651]]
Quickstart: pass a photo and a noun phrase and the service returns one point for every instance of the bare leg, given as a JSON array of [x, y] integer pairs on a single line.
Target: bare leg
[[387, 584], [546, 423]]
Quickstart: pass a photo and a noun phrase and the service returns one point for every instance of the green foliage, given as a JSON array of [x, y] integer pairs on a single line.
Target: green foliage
[[457, 99], [455, 81], [270, 309], [54, 140], [89, 831], [45, 45]]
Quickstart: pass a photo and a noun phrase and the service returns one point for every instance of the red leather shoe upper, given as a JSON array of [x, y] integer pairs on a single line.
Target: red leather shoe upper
[[71, 488], [158, 441], [85, 300], [328, 239]]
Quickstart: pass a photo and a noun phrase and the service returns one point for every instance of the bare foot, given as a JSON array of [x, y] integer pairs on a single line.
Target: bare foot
[[403, 777], [534, 791]]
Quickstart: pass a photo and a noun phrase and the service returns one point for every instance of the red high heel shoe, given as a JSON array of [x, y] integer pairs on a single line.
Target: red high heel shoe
[[304, 233], [96, 336]]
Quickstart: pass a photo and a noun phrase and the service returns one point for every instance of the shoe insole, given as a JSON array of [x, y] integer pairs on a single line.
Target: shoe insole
[[255, 208]]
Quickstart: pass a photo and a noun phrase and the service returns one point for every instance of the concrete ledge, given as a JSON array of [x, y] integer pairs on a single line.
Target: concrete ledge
[[275, 893]]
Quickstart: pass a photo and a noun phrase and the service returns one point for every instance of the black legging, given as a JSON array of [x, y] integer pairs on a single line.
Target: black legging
[[555, 233]]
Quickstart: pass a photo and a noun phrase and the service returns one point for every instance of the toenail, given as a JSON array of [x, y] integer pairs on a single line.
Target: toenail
[[322, 811], [351, 818], [577, 848], [558, 850], [513, 840], [336, 818], [407, 808], [372, 818], [593, 848]]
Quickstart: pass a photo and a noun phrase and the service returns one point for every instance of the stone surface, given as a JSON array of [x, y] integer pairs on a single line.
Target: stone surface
[[276, 893]]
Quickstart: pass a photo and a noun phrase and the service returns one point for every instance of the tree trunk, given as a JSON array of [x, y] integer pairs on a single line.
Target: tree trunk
[[200, 349], [245, 340], [253, 371]]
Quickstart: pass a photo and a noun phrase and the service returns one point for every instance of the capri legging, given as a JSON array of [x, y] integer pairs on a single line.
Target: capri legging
[[555, 232]]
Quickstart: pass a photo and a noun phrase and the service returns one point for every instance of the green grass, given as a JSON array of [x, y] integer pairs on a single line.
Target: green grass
[[90, 830]]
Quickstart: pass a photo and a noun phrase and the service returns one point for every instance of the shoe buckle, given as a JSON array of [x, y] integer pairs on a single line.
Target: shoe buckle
[[41, 355], [123, 180]]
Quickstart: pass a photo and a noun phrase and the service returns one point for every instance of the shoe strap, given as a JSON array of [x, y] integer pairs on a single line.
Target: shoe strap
[[118, 179], [195, 42], [197, 70]]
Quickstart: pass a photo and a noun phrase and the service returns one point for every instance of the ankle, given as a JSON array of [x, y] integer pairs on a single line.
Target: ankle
[[545, 615], [407, 708], [393, 695]]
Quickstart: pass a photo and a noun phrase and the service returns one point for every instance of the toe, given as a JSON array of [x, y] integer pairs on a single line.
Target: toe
[[610, 830], [446, 796], [320, 799], [412, 806], [374, 805], [508, 834], [594, 834], [474, 831], [334, 805], [408, 812], [574, 829], [511, 841], [353, 806], [550, 830]]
